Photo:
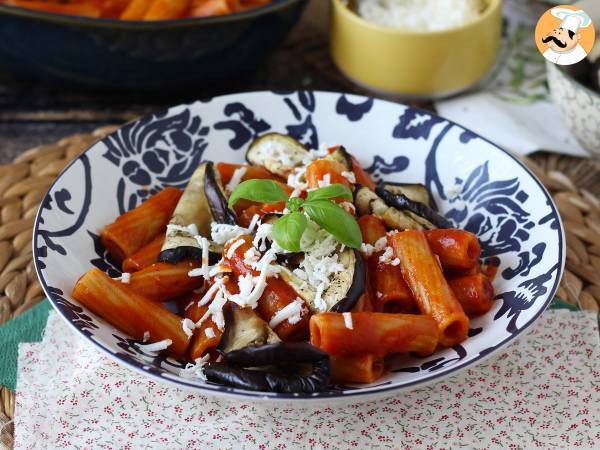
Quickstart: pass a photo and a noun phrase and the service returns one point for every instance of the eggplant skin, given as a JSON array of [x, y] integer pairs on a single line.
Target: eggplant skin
[[356, 289], [285, 357], [414, 191], [176, 254], [217, 202], [403, 203], [342, 156]]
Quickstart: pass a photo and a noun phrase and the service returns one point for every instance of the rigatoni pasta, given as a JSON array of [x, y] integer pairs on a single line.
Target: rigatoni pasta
[[290, 273], [428, 285]]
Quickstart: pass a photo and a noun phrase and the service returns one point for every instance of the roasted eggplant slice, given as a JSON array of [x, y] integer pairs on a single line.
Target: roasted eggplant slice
[[414, 191], [280, 367], [276, 152], [343, 292], [342, 156], [349, 284], [244, 328], [202, 202], [368, 202], [418, 211]]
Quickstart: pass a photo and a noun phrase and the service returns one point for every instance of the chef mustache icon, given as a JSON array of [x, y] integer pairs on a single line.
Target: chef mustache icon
[[557, 41]]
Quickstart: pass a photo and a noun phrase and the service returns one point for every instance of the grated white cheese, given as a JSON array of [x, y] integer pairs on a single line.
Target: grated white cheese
[[195, 370], [155, 347], [233, 247], [248, 297], [216, 308], [320, 261], [348, 175], [188, 327], [251, 256], [207, 297], [220, 233], [395, 262], [253, 222], [236, 178], [291, 312], [387, 255], [420, 15], [125, 277], [220, 267], [367, 249], [348, 320], [263, 232], [146, 336], [210, 333], [297, 178], [326, 181], [381, 243]]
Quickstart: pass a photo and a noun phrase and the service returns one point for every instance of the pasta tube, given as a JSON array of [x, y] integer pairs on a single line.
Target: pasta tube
[[127, 310], [373, 333], [160, 282], [134, 229], [457, 249], [428, 285]]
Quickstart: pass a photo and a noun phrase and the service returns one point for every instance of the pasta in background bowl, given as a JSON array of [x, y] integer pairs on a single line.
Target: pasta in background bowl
[[476, 186]]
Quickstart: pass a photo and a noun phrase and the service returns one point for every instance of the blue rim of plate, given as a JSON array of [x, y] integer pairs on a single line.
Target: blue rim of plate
[[225, 391], [136, 25]]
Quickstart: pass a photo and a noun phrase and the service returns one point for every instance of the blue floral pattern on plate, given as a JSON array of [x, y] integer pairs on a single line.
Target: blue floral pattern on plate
[[474, 183]]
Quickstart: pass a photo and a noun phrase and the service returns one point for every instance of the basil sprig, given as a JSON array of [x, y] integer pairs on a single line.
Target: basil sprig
[[288, 229]]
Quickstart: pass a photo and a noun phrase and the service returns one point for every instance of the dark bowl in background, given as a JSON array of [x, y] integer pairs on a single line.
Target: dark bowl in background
[[110, 53]]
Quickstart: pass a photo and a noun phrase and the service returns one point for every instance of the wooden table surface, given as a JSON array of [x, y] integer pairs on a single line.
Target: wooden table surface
[[34, 112]]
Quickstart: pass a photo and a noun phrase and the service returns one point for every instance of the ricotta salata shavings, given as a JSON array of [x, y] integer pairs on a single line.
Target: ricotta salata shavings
[[320, 261], [263, 232], [247, 297], [387, 255], [125, 277], [233, 247], [207, 297], [195, 370], [348, 320], [220, 233], [236, 178], [349, 176], [420, 15], [188, 327], [291, 312], [210, 333], [155, 347], [326, 181]]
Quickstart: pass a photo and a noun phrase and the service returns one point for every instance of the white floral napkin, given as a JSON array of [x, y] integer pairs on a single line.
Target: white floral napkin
[[543, 391]]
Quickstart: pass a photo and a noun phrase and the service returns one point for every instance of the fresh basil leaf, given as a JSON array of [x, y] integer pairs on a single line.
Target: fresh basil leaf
[[294, 204], [331, 191], [287, 230], [264, 191], [335, 220]]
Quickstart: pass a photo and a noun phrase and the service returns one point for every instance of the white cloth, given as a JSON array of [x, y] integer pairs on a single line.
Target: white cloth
[[512, 106], [566, 58], [543, 390]]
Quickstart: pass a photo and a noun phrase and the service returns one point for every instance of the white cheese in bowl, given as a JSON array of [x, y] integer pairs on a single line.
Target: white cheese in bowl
[[419, 15]]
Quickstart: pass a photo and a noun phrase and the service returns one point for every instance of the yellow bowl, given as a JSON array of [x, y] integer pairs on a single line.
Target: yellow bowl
[[428, 64]]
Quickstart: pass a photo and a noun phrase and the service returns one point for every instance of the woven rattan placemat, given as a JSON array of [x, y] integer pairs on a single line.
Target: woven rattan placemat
[[574, 184]]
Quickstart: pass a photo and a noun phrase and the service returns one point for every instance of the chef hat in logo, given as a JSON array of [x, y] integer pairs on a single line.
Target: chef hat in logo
[[571, 20]]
